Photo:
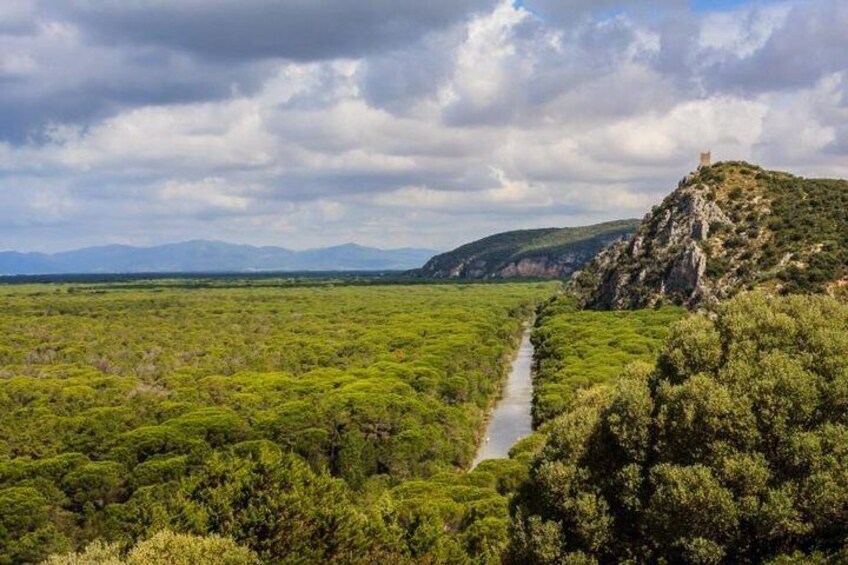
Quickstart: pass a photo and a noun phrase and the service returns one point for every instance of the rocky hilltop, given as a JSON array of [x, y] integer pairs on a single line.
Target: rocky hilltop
[[727, 227], [540, 253]]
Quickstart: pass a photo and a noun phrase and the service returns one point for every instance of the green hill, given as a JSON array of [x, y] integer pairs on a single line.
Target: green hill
[[542, 253], [729, 227]]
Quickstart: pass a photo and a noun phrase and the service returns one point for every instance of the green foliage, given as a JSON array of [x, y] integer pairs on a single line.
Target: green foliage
[[578, 349], [26, 531], [453, 516], [279, 417], [808, 219], [273, 503], [93, 485], [163, 548], [485, 258], [734, 449]]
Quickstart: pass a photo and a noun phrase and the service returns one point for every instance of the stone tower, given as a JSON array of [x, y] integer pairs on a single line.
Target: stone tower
[[706, 159]]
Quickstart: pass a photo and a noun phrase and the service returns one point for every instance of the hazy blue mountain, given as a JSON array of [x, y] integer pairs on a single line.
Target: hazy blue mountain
[[210, 256]]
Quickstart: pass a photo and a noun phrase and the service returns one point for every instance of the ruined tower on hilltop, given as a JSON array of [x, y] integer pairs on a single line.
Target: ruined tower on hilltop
[[706, 159]]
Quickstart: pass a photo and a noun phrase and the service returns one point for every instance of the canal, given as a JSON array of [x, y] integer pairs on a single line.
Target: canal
[[511, 419]]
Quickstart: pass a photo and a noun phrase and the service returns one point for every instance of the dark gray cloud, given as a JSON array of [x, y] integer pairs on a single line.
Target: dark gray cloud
[[678, 56], [811, 43], [52, 74], [99, 57], [400, 78], [70, 93], [80, 61], [243, 29]]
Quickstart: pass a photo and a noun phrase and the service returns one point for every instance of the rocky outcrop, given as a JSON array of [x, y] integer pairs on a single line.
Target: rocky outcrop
[[549, 267], [546, 253], [664, 259], [686, 275], [696, 247]]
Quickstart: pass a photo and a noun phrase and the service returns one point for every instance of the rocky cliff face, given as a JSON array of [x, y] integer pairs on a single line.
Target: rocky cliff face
[[546, 253], [557, 265], [664, 258], [725, 228]]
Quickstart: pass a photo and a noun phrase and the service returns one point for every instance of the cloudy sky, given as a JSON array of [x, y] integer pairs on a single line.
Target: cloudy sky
[[395, 123]]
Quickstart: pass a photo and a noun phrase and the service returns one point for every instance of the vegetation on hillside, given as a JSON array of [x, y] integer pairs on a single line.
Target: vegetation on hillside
[[551, 252], [285, 419], [784, 230], [729, 227], [809, 220], [733, 449]]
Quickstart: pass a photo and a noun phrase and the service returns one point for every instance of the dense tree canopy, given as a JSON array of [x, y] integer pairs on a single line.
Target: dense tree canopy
[[336, 423], [734, 449], [282, 418], [578, 349]]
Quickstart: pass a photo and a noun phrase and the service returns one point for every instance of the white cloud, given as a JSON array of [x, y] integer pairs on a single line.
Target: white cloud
[[220, 134], [743, 31], [509, 192], [213, 193], [730, 125], [800, 127]]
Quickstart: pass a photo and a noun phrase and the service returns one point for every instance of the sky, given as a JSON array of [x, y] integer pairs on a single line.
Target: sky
[[395, 123]]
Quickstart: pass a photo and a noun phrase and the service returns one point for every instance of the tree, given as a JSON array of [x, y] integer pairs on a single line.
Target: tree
[[163, 548], [94, 485], [733, 450], [26, 533], [274, 504]]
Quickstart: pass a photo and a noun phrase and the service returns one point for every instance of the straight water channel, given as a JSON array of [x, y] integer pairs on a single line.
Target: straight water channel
[[511, 420]]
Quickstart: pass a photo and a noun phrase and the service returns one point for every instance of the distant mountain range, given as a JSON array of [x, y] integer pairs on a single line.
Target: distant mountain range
[[538, 253], [210, 256]]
